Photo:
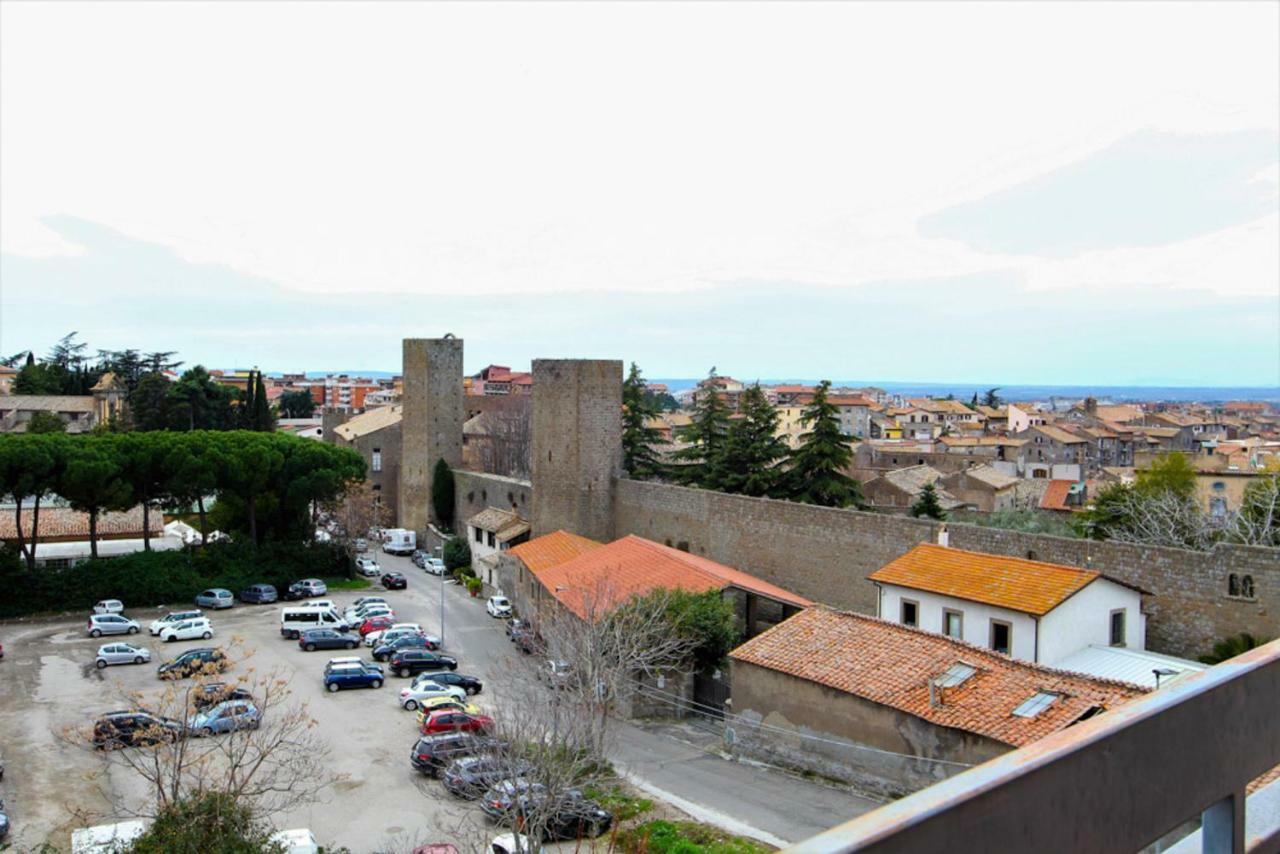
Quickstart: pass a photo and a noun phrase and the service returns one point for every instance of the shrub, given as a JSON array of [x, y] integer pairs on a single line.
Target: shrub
[[474, 585], [209, 823], [442, 489], [685, 837], [457, 553]]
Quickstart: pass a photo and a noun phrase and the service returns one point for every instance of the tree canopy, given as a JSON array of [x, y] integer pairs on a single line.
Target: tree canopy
[[818, 465], [699, 462], [639, 457], [751, 462]]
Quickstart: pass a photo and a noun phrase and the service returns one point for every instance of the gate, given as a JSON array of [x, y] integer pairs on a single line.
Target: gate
[[710, 690]]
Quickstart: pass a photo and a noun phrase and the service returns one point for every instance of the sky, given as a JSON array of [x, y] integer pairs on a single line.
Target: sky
[[1048, 193]]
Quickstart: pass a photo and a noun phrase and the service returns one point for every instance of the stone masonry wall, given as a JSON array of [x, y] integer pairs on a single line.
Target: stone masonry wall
[[826, 554], [476, 491], [431, 426]]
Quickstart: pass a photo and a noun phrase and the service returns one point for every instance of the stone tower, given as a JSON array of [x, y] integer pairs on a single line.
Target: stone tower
[[577, 445], [431, 424]]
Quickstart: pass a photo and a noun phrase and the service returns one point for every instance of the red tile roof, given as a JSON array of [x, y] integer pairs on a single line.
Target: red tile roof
[[892, 665], [1055, 496], [603, 578], [552, 549], [1029, 586], [63, 523]]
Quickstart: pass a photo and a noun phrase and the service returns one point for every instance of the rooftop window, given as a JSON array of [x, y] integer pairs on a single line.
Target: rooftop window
[[1035, 705], [955, 675]]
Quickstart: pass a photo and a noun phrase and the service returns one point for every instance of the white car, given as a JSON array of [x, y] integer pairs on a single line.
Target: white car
[[398, 631], [498, 606], [435, 566], [321, 604], [172, 618], [109, 606], [355, 616], [187, 630], [413, 695], [297, 841], [368, 566]]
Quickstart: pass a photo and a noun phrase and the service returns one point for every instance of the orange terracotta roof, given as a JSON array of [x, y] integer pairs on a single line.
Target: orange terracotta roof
[[549, 550], [63, 523], [1029, 586], [1055, 495], [604, 578], [892, 665]]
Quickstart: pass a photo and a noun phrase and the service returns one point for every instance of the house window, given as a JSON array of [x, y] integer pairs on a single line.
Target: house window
[[479, 535], [952, 623], [1001, 636], [1117, 627], [376, 463], [955, 675], [1219, 486], [1246, 587], [910, 613], [1036, 704], [491, 539], [1233, 585]]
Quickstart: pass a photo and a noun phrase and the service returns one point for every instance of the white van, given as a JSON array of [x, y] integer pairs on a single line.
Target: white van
[[295, 621], [399, 541], [107, 838]]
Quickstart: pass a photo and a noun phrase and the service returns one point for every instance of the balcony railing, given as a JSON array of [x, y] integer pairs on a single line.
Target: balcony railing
[[1116, 782]]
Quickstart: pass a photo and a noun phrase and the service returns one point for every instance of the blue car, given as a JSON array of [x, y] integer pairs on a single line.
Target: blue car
[[215, 597], [226, 716], [258, 594], [337, 677]]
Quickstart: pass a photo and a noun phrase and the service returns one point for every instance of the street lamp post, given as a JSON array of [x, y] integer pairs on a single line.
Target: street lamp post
[[440, 554]]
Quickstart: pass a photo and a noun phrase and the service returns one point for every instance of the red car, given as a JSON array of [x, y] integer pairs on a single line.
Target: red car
[[376, 624], [452, 720], [395, 581]]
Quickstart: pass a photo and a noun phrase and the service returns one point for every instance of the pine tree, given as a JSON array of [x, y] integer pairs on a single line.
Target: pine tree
[[706, 437], [638, 438], [928, 505], [817, 468], [263, 420], [752, 449]]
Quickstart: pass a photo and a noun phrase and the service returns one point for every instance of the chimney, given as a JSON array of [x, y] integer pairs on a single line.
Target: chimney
[[935, 695], [943, 538]]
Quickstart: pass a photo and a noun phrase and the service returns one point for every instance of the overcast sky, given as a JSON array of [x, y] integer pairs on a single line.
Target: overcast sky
[[1053, 193]]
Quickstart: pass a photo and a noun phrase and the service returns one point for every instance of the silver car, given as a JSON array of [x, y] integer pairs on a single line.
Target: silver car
[[215, 597], [121, 653], [111, 624]]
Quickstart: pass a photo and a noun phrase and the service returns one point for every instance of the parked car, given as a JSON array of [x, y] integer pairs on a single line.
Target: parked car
[[410, 697], [471, 776], [409, 662], [419, 558], [432, 752], [216, 598], [435, 566], [133, 728], [299, 840], [111, 624], [200, 627], [293, 593], [295, 620], [572, 816], [401, 630], [514, 625], [193, 661], [527, 641], [394, 581], [502, 796], [121, 653], [360, 613], [362, 545], [510, 843], [226, 716], [109, 606], [435, 704], [557, 674], [367, 566], [173, 617], [376, 624], [447, 720], [359, 675], [310, 587], [366, 600], [470, 684], [326, 639], [212, 693], [259, 594], [498, 606]]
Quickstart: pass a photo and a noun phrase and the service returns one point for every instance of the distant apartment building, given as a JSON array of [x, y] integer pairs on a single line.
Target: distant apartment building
[[500, 380]]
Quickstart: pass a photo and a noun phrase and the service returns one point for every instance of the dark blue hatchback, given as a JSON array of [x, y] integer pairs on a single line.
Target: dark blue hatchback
[[259, 594]]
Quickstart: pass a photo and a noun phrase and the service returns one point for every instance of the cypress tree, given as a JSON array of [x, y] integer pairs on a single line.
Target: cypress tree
[[262, 418], [638, 439], [817, 468], [246, 405], [752, 449], [928, 505], [706, 437]]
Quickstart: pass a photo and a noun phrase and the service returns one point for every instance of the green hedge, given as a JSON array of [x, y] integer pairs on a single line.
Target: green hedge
[[162, 578], [685, 837]]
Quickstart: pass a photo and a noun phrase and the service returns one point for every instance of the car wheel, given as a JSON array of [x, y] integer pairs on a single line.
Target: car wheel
[[410, 705], [137, 659], [96, 633], [101, 664], [333, 687], [171, 639], [351, 645], [133, 630], [403, 672], [206, 731], [377, 683], [472, 690], [311, 647]]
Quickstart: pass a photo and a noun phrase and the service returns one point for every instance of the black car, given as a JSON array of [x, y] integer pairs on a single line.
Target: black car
[[193, 661], [572, 816], [433, 752], [293, 593], [259, 594], [471, 776], [394, 581], [515, 624], [383, 651], [213, 693], [419, 558], [406, 662], [326, 639], [133, 729], [470, 684]]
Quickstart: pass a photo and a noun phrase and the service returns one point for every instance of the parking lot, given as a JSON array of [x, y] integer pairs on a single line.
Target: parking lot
[[48, 685]]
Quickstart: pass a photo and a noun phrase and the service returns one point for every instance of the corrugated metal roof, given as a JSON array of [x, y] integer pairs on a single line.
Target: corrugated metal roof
[[1128, 665]]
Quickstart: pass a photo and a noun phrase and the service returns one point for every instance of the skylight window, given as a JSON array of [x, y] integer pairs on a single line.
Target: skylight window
[[1036, 704], [955, 675]]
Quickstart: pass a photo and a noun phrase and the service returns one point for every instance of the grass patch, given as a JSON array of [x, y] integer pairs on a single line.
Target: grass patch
[[685, 837], [619, 801], [348, 583]]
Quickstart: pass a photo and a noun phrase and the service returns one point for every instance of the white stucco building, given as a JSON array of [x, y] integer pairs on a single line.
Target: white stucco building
[[1030, 610]]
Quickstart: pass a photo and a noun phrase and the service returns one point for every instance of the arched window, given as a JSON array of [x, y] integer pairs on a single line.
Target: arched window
[[1246, 587], [1233, 585]]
